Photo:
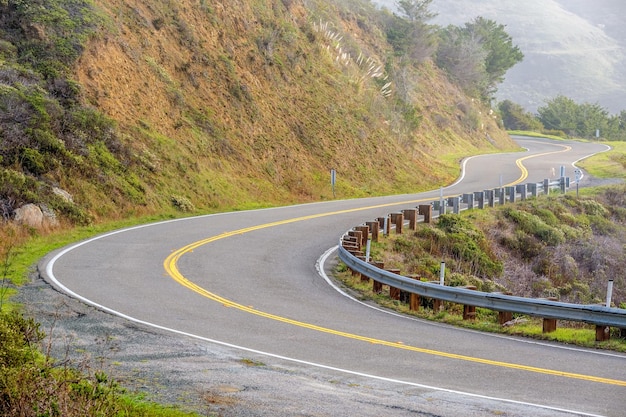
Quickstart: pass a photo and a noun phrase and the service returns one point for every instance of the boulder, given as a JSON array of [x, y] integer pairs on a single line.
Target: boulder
[[30, 215]]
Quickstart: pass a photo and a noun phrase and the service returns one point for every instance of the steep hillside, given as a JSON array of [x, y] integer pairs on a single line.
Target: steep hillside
[[234, 104]]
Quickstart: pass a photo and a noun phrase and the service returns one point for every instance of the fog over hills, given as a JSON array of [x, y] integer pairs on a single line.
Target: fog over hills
[[576, 48]]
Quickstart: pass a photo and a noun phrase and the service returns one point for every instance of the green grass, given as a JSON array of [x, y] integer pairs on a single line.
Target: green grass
[[611, 164], [533, 134]]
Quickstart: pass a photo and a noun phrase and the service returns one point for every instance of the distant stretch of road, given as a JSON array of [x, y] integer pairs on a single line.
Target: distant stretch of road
[[256, 281]]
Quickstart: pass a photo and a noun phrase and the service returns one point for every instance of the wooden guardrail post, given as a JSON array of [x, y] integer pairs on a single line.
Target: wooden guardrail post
[[521, 189], [603, 333], [398, 220], [358, 235], [546, 186], [504, 316], [374, 228], [549, 325], [426, 210], [377, 287], [414, 299], [411, 216], [394, 293], [365, 234], [384, 224], [532, 188], [469, 312]]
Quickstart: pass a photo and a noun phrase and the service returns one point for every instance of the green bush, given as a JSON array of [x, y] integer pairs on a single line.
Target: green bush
[[533, 225]]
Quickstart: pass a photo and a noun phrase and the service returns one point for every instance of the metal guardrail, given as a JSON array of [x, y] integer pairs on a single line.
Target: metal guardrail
[[594, 314], [547, 309]]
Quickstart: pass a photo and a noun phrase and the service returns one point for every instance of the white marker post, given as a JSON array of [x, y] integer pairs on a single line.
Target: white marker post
[[442, 273], [609, 292]]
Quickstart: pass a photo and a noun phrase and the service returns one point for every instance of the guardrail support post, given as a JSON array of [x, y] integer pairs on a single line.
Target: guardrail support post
[[490, 196], [456, 204], [603, 333], [358, 235], [532, 188], [479, 196], [414, 299], [365, 233], [504, 316], [501, 195], [521, 189], [469, 200], [398, 220], [549, 325], [384, 225], [377, 287], [563, 184], [511, 193], [469, 312], [394, 293], [426, 210], [546, 186], [411, 216], [374, 228]]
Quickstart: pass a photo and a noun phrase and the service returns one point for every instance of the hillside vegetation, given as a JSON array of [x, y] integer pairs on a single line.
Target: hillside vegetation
[[558, 246], [136, 107]]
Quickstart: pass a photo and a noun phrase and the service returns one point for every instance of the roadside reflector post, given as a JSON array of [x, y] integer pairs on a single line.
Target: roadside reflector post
[[609, 292]]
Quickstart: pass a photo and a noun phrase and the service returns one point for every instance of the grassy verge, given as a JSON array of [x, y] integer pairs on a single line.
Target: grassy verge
[[611, 164]]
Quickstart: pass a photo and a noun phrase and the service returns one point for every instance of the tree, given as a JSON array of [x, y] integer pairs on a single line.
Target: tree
[[514, 117], [463, 58], [477, 55], [501, 53], [560, 113], [409, 33]]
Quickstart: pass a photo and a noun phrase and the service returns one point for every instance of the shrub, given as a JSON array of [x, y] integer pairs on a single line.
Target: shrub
[[182, 203]]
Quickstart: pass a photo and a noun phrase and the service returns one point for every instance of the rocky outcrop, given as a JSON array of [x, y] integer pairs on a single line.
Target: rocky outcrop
[[34, 216]]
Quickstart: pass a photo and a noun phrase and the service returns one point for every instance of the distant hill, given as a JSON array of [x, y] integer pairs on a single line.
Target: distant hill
[[576, 48]]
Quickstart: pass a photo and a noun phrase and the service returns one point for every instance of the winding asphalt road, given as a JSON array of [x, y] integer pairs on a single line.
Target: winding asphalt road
[[257, 281]]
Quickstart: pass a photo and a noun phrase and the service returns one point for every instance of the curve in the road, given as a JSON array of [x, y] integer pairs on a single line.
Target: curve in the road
[[172, 269]]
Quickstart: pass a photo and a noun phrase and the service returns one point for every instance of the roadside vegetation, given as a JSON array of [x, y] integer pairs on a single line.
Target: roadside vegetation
[[560, 247]]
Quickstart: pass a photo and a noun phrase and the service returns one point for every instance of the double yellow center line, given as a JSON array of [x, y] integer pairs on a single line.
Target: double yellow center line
[[170, 265]]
